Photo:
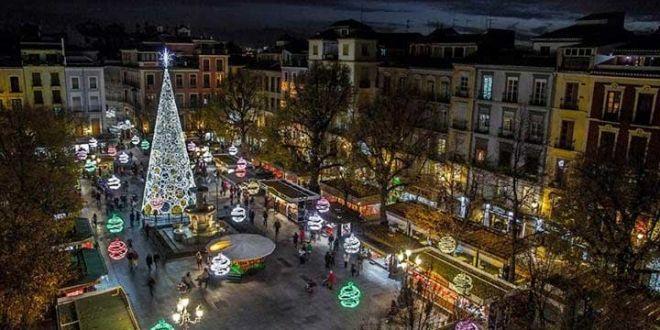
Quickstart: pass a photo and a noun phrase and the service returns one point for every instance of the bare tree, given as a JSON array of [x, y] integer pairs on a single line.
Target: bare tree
[[301, 133]]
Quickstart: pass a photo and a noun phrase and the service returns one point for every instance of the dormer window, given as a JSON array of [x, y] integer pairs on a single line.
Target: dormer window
[[343, 32]]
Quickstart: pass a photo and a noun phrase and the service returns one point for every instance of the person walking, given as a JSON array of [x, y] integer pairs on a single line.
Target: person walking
[[301, 255], [203, 278], [277, 225], [353, 269], [132, 218], [332, 258], [309, 249], [265, 216], [151, 282], [327, 260], [346, 258], [150, 261], [95, 221], [331, 238], [359, 264], [156, 259], [199, 259], [330, 280], [295, 240], [137, 217]]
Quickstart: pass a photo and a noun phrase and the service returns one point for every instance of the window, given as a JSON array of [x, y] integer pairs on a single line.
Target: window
[[506, 151], [511, 92], [178, 99], [193, 100], [538, 98], [481, 150], [76, 103], [38, 97], [151, 80], [193, 82], [612, 105], [178, 80], [272, 104], [365, 81], [365, 49], [508, 122], [218, 78], [644, 108], [54, 79], [442, 146], [93, 83], [444, 89], [532, 162], [463, 86], [387, 82], [36, 79], [207, 80], [545, 50], [344, 49], [536, 127], [315, 49], [75, 83], [15, 86], [571, 95], [402, 82], [57, 97], [16, 104], [484, 120], [206, 64], [637, 149], [487, 87], [286, 76], [94, 104], [566, 135], [219, 66], [606, 144], [430, 88]]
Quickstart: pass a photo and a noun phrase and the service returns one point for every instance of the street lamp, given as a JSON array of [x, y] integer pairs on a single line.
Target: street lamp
[[183, 317]]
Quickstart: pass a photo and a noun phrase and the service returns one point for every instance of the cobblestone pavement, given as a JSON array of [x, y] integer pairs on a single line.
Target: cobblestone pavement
[[274, 298]]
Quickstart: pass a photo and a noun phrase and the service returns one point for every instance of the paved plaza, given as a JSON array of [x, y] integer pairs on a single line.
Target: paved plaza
[[274, 298]]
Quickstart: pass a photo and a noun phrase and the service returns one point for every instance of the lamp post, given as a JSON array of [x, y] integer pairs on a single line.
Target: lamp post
[[183, 317]]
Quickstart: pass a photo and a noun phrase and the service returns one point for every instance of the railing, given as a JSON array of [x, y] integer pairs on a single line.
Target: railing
[[569, 104], [538, 100], [484, 97], [610, 116], [510, 97], [565, 144]]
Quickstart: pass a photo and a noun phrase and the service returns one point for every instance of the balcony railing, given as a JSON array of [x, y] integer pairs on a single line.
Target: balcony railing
[[462, 92], [569, 104], [510, 97], [565, 144], [459, 124], [537, 100], [482, 129]]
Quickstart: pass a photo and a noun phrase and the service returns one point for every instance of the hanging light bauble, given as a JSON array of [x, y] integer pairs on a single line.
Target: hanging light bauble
[[90, 166], [117, 249], [115, 224], [253, 188], [232, 150], [123, 158], [135, 140], [351, 244], [315, 222], [112, 151], [220, 265], [191, 146], [238, 214], [207, 157], [145, 145], [322, 205], [349, 295], [114, 183], [93, 143]]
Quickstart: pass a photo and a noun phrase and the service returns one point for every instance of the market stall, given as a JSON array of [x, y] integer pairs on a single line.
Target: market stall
[[288, 199], [359, 197]]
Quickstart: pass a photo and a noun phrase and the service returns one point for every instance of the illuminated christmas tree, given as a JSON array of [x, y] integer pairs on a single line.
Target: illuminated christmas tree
[[169, 179]]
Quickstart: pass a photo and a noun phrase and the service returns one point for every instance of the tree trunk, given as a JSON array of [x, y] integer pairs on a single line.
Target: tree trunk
[[314, 180], [382, 209]]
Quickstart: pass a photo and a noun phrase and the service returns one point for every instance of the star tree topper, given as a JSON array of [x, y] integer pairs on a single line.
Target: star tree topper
[[166, 58]]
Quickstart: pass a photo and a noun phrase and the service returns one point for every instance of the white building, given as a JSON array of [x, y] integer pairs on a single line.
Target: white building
[[85, 90]]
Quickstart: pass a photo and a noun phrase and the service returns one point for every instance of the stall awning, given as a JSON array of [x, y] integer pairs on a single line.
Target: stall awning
[[289, 192], [356, 191]]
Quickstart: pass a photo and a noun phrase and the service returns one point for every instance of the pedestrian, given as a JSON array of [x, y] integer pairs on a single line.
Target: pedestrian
[[327, 260], [301, 255], [156, 259], [151, 282], [199, 259], [353, 269], [309, 249], [150, 261], [331, 239], [301, 235], [203, 278], [265, 216], [332, 258], [278, 224], [359, 264], [95, 221], [295, 240], [132, 218], [330, 280], [252, 216], [129, 243], [136, 257], [98, 199], [187, 279], [346, 257], [137, 217]]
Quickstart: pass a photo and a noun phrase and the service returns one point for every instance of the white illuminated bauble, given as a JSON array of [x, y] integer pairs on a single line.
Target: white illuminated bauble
[[220, 265], [114, 183], [351, 244], [322, 205], [207, 157], [93, 143], [241, 164], [191, 146], [447, 244], [238, 214], [232, 150], [135, 140], [462, 284], [253, 188], [112, 151], [123, 158], [315, 222]]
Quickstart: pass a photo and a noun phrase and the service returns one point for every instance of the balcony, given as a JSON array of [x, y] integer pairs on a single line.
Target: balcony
[[484, 96], [610, 116], [505, 133], [459, 124], [537, 100], [569, 104], [482, 129], [462, 92], [510, 97], [565, 144]]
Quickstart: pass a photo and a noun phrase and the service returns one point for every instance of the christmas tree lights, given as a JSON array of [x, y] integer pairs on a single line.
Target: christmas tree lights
[[115, 224], [169, 176], [349, 295], [351, 244], [220, 265], [322, 205], [117, 249]]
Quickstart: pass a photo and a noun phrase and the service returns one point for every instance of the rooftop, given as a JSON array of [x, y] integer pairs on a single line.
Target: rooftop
[[96, 311]]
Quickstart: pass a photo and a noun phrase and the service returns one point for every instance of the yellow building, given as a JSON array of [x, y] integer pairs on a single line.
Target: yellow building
[[12, 88], [43, 72], [568, 129]]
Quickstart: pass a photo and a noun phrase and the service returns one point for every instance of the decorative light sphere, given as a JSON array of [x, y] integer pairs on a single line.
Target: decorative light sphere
[[349, 295], [238, 214], [162, 325], [112, 151], [322, 205], [123, 158], [241, 163], [114, 183], [462, 284], [81, 154], [315, 222], [135, 140], [232, 150], [351, 244], [115, 224], [220, 265], [93, 143], [253, 188], [466, 325], [207, 157], [447, 244], [117, 249], [145, 145], [191, 146], [90, 166]]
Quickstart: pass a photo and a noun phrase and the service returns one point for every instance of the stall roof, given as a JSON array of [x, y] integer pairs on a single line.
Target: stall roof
[[381, 238], [242, 246], [355, 189], [82, 230], [96, 311], [90, 266], [341, 214], [288, 191]]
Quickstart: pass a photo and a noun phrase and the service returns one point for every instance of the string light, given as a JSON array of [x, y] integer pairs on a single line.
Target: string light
[[114, 183], [315, 222], [233, 150], [117, 249], [322, 205], [115, 224], [238, 214], [351, 244], [220, 265], [349, 295]]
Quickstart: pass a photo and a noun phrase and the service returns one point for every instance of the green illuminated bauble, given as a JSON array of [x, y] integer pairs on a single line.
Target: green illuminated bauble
[[90, 166], [145, 145], [115, 224], [162, 325], [349, 295]]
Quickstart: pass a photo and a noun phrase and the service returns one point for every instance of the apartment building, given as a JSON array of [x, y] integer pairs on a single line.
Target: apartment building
[[85, 90], [12, 85], [43, 70]]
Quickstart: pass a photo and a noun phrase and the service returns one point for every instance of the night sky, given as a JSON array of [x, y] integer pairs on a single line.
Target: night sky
[[251, 21]]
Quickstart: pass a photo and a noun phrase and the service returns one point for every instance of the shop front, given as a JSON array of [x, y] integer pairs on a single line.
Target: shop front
[[288, 199]]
